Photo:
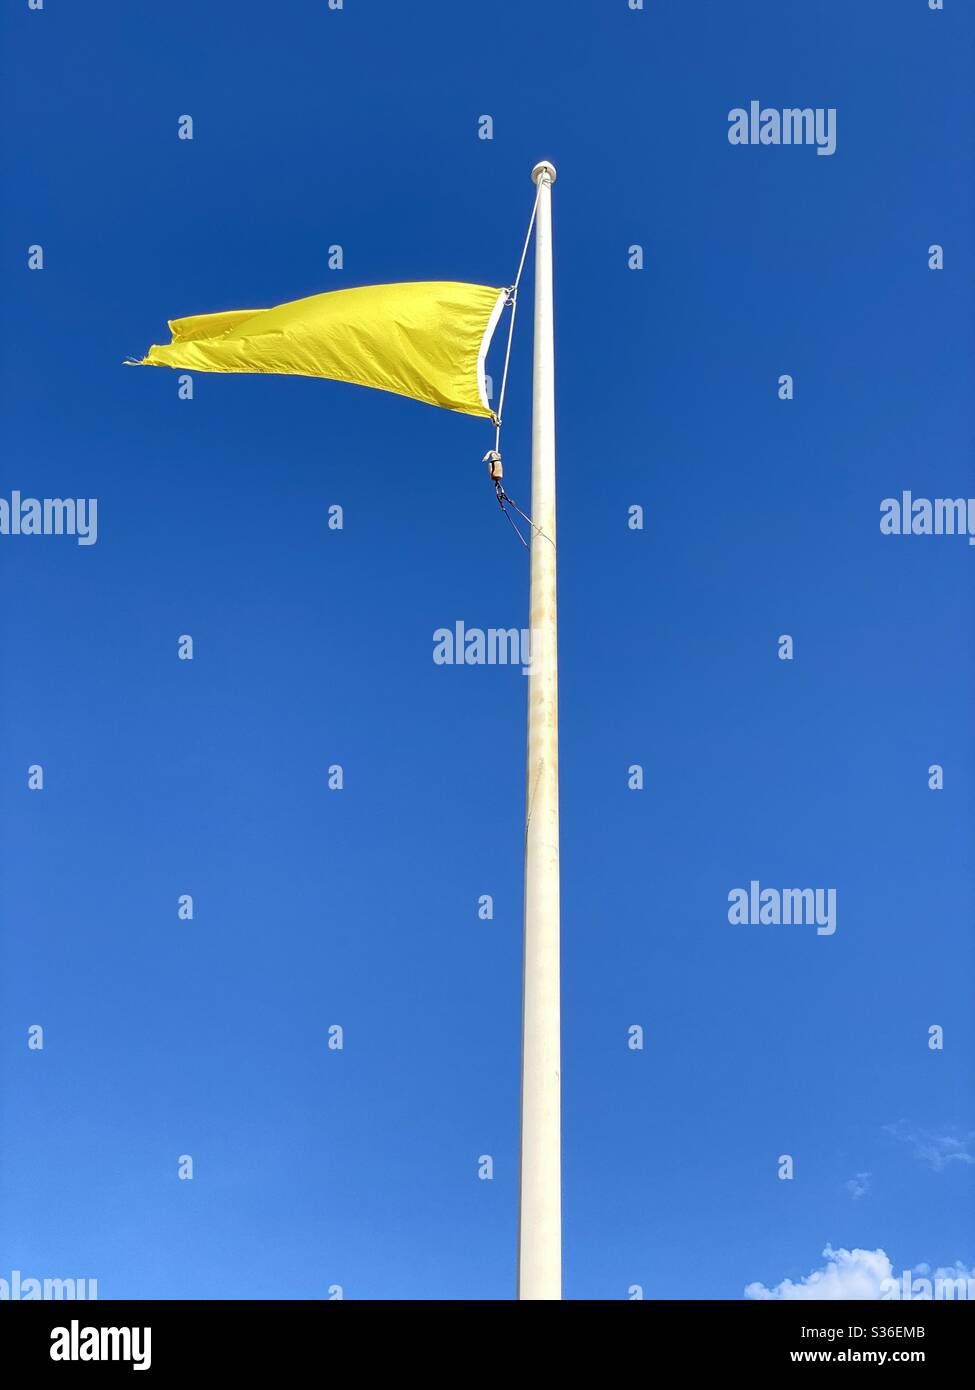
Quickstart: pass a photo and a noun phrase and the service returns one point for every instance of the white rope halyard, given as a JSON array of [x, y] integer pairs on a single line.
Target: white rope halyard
[[493, 458]]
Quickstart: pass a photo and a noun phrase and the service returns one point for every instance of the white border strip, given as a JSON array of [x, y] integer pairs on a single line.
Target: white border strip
[[492, 324]]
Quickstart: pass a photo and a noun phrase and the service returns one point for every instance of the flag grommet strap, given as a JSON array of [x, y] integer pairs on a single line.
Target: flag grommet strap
[[425, 339]]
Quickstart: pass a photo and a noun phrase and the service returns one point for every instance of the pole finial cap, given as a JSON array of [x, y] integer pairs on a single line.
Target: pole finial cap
[[544, 170]]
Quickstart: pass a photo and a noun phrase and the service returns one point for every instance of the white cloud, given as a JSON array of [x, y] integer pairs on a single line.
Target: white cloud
[[867, 1275], [848, 1274], [936, 1149], [859, 1186]]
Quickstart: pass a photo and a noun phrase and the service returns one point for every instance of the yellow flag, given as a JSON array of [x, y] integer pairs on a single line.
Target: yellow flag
[[425, 339]]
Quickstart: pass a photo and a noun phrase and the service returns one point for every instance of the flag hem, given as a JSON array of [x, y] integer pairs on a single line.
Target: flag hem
[[492, 324]]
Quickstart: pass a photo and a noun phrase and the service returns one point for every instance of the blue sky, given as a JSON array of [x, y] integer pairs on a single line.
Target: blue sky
[[312, 907]]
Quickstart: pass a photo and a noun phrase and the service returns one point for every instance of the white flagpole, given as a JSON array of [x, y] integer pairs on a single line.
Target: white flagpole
[[540, 1207]]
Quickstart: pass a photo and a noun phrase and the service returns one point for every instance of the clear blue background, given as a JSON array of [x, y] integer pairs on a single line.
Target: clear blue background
[[312, 647]]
